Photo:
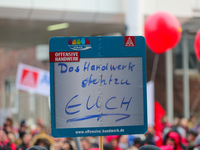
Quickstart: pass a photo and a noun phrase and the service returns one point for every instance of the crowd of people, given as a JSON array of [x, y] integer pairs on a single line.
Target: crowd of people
[[183, 134]]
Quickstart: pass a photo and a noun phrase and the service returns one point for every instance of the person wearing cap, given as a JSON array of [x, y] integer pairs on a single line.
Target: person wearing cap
[[42, 139], [114, 140], [136, 145], [22, 129], [172, 141]]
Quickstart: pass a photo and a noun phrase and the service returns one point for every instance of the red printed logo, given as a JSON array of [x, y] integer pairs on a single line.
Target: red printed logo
[[129, 41], [29, 78]]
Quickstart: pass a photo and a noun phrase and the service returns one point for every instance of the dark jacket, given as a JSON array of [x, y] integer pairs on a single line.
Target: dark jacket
[[23, 146], [5, 145]]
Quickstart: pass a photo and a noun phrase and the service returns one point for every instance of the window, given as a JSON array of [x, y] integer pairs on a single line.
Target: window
[[11, 95], [178, 56]]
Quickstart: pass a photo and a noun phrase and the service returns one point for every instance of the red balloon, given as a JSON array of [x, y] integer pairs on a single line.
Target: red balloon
[[162, 32], [197, 45]]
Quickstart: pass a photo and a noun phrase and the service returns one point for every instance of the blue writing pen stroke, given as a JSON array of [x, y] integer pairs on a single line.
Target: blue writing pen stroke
[[98, 116], [91, 67], [71, 106], [104, 81], [64, 68]]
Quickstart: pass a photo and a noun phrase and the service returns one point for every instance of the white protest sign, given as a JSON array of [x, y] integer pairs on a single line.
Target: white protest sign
[[92, 84], [33, 80], [98, 94]]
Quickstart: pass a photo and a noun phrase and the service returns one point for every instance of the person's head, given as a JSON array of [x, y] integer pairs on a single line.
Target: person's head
[[85, 143], [11, 137], [57, 143], [176, 121], [23, 126], [27, 138], [3, 136], [173, 139], [107, 146], [123, 139], [114, 140], [42, 139], [40, 122], [22, 129], [8, 125], [43, 142], [192, 119], [9, 122], [8, 128], [191, 136], [170, 141], [39, 128], [184, 123], [67, 146], [150, 130], [137, 142], [164, 119]]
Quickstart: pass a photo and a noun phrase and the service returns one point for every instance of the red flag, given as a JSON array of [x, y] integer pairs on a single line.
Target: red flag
[[159, 113]]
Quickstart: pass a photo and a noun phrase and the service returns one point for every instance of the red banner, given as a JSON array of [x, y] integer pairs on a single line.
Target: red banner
[[64, 56]]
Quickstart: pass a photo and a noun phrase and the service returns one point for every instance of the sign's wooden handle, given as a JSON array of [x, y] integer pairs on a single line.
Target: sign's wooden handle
[[100, 142]]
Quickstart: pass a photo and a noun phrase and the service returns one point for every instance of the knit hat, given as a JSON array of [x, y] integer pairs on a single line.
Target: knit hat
[[149, 147], [111, 137]]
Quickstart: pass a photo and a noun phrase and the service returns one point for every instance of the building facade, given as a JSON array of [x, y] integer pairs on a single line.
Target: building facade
[[23, 27]]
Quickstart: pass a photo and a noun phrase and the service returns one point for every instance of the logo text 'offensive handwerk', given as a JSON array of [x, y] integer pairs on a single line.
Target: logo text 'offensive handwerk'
[[79, 44]]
